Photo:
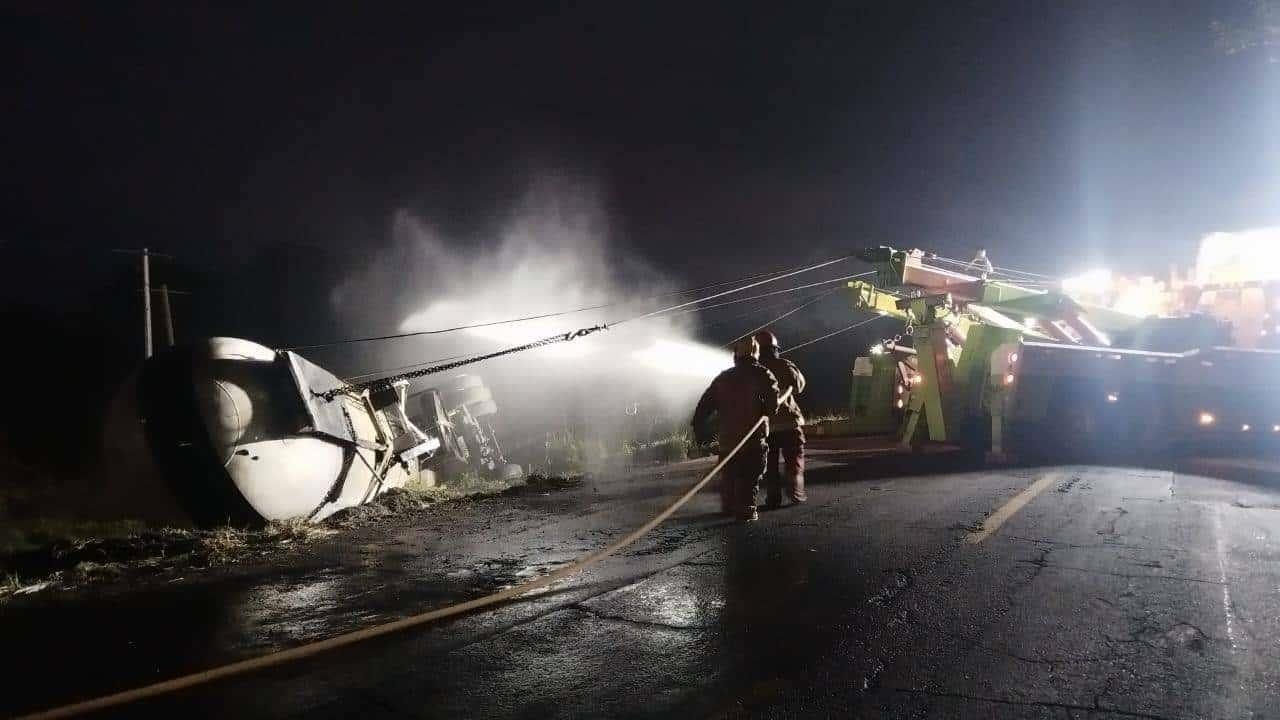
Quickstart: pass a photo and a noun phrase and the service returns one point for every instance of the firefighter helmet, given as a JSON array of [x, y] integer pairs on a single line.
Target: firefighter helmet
[[768, 342], [747, 347]]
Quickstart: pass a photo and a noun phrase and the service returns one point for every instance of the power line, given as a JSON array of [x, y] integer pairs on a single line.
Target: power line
[[477, 353], [786, 314], [425, 363], [786, 272], [735, 280], [831, 334], [429, 368], [740, 289], [754, 311], [995, 270], [442, 331], [1028, 273], [775, 292], [466, 359]]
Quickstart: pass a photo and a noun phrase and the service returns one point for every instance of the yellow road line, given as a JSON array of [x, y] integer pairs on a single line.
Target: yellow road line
[[997, 518]]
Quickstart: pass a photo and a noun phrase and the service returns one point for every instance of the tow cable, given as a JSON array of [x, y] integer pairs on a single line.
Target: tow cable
[[281, 657]]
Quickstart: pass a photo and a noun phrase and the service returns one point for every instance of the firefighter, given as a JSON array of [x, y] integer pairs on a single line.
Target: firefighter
[[786, 427], [740, 396], [980, 264]]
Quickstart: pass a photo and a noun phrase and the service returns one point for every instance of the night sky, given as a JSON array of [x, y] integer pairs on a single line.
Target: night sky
[[268, 149]]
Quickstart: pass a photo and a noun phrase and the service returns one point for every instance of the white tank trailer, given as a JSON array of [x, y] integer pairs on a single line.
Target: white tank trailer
[[240, 434]]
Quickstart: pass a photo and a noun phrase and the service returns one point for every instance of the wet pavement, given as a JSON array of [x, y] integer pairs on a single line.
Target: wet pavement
[[1109, 592]]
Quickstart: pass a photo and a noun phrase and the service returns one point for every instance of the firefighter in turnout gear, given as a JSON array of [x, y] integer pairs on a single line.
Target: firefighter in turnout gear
[[739, 396], [786, 427]]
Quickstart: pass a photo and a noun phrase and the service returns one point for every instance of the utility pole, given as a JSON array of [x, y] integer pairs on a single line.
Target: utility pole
[[146, 299], [166, 310], [167, 313], [146, 293]]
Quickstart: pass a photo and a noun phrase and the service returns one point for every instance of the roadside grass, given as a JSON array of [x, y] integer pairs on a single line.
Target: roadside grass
[[675, 446], [297, 530], [29, 534], [223, 545], [48, 539], [77, 554], [827, 416], [41, 508], [69, 551], [399, 503], [659, 442]]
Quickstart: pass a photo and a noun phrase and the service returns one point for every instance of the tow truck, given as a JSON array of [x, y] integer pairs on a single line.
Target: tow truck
[[1023, 369]]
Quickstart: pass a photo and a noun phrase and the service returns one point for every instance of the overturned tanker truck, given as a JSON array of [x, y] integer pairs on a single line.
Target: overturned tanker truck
[[240, 433]]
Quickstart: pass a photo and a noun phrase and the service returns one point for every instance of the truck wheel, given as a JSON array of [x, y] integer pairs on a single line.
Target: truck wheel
[[483, 408], [469, 396]]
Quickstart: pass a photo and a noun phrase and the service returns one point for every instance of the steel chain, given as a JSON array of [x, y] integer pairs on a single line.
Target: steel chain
[[386, 382], [892, 342]]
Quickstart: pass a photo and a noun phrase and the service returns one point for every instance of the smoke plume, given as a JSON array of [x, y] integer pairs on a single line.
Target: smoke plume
[[550, 253]]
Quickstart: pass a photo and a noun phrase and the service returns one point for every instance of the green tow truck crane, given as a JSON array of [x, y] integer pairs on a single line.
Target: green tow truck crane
[[1015, 367]]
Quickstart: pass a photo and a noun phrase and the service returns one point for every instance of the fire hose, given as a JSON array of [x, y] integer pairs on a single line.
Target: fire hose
[[281, 657]]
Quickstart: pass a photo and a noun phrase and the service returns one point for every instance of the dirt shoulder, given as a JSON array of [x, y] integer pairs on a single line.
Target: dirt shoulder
[[47, 553]]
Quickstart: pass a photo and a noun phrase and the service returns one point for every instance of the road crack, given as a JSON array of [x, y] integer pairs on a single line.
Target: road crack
[[1171, 636], [1069, 484], [1178, 578], [1040, 562], [1104, 545], [1052, 662], [893, 590], [1096, 707], [977, 643], [1017, 586]]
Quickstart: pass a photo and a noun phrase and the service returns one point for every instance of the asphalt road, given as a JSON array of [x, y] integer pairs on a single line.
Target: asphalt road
[[1035, 592]]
